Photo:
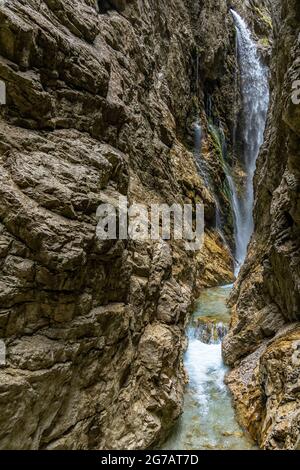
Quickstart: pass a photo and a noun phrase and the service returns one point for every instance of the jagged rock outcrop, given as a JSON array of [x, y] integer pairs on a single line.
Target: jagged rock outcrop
[[263, 344], [99, 104]]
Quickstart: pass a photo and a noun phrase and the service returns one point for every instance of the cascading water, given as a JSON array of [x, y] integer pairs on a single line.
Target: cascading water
[[255, 99], [208, 420]]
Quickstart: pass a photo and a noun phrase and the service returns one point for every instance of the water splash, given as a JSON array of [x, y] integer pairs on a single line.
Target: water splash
[[255, 99]]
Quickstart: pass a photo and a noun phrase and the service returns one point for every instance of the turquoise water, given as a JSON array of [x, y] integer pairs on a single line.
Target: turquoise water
[[208, 420]]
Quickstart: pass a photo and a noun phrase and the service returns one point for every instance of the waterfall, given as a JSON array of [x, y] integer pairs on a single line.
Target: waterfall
[[208, 419], [255, 99]]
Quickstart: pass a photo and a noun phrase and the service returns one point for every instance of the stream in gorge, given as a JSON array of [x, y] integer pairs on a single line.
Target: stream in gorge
[[208, 420]]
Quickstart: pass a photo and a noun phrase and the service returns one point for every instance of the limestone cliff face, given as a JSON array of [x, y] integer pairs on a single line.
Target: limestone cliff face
[[263, 345], [100, 101]]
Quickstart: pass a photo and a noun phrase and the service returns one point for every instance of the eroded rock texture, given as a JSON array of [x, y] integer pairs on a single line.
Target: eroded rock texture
[[263, 345], [100, 102]]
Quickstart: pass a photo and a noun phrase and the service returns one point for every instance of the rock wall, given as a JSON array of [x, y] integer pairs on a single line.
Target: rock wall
[[264, 342], [100, 101]]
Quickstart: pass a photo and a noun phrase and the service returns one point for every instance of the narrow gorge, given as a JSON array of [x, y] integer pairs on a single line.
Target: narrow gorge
[[134, 343]]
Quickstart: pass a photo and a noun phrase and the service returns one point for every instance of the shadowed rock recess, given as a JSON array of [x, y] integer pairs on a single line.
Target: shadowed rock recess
[[264, 342]]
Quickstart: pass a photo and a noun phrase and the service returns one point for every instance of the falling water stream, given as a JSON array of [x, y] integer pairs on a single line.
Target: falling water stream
[[208, 420]]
